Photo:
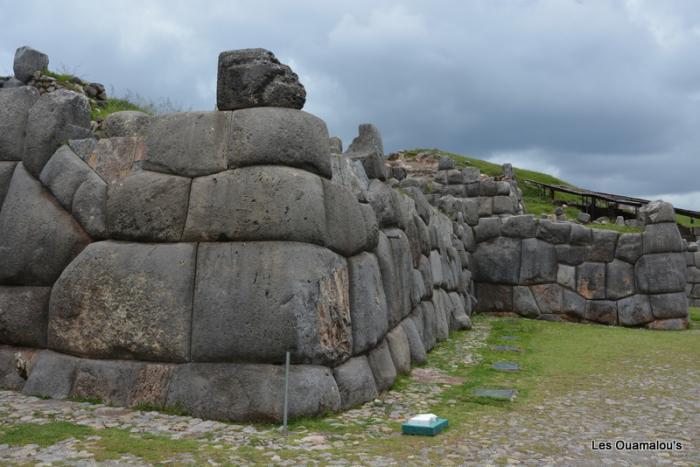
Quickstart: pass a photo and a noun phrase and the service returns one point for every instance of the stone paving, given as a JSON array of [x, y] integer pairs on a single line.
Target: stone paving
[[657, 404]]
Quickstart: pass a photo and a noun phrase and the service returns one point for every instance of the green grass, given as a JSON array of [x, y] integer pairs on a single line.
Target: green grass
[[43, 435], [694, 315], [686, 221], [114, 105]]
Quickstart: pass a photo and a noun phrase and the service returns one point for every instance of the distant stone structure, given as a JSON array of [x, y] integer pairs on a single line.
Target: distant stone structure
[[173, 261]]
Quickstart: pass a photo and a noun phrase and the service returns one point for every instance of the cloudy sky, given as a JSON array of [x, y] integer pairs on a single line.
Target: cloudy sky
[[604, 94]]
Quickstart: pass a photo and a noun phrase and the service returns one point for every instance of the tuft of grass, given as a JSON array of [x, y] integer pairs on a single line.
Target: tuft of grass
[[616, 228], [694, 317], [99, 112], [43, 435]]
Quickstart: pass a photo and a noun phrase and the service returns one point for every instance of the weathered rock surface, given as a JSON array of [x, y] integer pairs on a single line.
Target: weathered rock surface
[[524, 303], [590, 280], [27, 62], [497, 261], [24, 315], [399, 349], [538, 262], [601, 311], [14, 108], [620, 279], [634, 310], [673, 305], [125, 300], [660, 273], [355, 382], [382, 366], [548, 297], [657, 212], [629, 247], [126, 123], [393, 254], [662, 238], [368, 148], [498, 298], [368, 307], [254, 301], [6, 171], [52, 375], [255, 78], [415, 343]]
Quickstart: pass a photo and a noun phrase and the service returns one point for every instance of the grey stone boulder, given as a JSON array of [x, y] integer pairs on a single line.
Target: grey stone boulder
[[662, 238], [485, 206], [52, 375], [523, 226], [368, 307], [111, 158], [14, 108], [15, 366], [368, 148], [549, 297], [336, 145], [382, 366], [634, 310], [573, 304], [355, 382], [583, 218], [488, 188], [251, 392], [590, 280], [256, 300], [459, 319], [90, 206], [415, 344], [351, 227], [524, 302], [424, 266], [148, 206], [554, 232], [572, 255], [538, 262], [28, 61], [657, 212], [422, 205], [487, 228], [661, 273], [109, 381], [37, 237], [256, 78], [620, 279], [566, 276], [629, 247], [385, 202], [399, 349], [24, 315], [443, 306], [471, 174], [125, 301], [497, 261], [446, 163], [429, 324], [580, 235], [127, 123], [436, 270], [6, 171], [601, 311], [494, 298], [674, 324], [55, 118], [503, 205], [274, 136], [671, 305], [189, 144], [345, 173], [393, 254], [603, 247]]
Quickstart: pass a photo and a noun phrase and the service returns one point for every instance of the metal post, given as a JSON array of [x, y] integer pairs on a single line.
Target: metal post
[[286, 392]]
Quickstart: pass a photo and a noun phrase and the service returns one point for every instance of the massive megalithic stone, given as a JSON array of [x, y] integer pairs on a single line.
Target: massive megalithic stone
[[27, 62], [14, 108]]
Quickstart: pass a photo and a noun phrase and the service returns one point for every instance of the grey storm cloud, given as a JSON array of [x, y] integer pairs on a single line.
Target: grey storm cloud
[[605, 94]]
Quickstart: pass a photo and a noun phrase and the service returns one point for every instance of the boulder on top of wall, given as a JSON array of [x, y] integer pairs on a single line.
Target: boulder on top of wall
[[125, 300], [554, 232], [590, 280], [548, 297], [385, 202], [494, 298], [497, 261], [538, 262], [188, 143], [629, 247], [355, 382], [126, 123], [27, 62], [54, 118], [253, 301], [583, 217], [24, 315], [14, 108], [148, 206], [256, 78], [399, 349], [415, 344], [670, 305], [368, 148], [573, 304], [382, 366], [601, 311], [620, 279], [275, 136], [580, 235], [446, 163], [37, 237], [634, 310], [661, 273], [368, 307], [250, 392], [7, 168], [662, 238], [657, 212], [345, 173], [522, 226], [603, 247]]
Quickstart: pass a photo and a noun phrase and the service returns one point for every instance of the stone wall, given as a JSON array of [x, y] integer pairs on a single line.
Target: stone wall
[[693, 262]]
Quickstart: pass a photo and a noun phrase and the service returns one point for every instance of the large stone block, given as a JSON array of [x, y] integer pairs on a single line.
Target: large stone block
[[601, 311], [524, 303], [126, 301], [393, 253], [415, 344], [580, 235], [566, 276], [554, 232], [662, 238], [90, 206], [548, 297], [190, 144], [63, 174], [670, 305], [538, 262], [443, 306], [368, 308], [111, 158], [656, 212], [603, 247], [351, 227], [14, 108], [347, 173], [620, 279], [148, 206], [572, 255], [255, 78], [256, 300], [634, 310], [382, 366], [661, 273], [429, 334], [497, 261], [24, 315], [590, 280], [15, 366], [675, 324], [385, 202], [503, 205], [6, 171], [27, 62], [126, 123], [368, 149], [37, 237], [275, 136], [355, 382], [524, 226], [573, 304], [52, 375], [459, 318], [494, 298], [55, 118], [399, 349], [629, 247], [251, 392]]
